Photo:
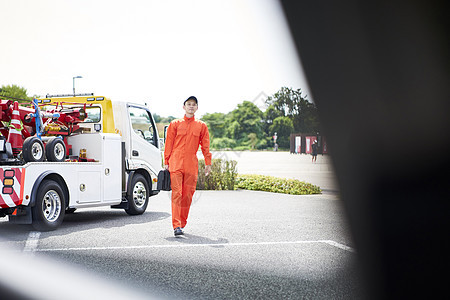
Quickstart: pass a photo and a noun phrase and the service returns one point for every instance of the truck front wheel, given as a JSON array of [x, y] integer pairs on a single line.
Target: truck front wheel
[[49, 208], [137, 196]]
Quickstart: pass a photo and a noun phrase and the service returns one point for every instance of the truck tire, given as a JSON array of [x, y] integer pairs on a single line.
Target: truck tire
[[33, 149], [138, 195], [49, 208], [55, 150]]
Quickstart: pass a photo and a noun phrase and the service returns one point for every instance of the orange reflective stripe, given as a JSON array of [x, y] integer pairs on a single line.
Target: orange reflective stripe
[[22, 185]]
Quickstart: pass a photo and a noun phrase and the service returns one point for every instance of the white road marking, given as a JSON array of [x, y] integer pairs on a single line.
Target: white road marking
[[341, 246], [32, 242], [329, 242]]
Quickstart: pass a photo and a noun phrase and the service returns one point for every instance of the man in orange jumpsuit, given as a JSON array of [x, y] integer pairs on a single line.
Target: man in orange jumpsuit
[[183, 138]]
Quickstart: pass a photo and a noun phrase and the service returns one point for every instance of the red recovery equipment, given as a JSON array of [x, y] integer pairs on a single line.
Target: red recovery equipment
[[22, 140], [15, 131]]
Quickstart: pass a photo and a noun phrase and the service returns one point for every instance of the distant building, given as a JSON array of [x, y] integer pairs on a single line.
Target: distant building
[[301, 143]]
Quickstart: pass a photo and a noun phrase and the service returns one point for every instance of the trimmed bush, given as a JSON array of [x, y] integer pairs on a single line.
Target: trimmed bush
[[276, 185], [222, 177]]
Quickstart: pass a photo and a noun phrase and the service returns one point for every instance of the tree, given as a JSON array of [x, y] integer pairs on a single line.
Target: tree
[[291, 103], [245, 119], [222, 143], [216, 124], [232, 129], [270, 114], [14, 92]]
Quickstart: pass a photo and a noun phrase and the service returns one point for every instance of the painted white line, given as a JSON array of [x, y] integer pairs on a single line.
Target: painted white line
[[332, 243], [32, 242], [341, 246]]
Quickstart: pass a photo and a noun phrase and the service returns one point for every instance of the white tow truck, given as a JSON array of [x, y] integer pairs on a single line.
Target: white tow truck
[[111, 159]]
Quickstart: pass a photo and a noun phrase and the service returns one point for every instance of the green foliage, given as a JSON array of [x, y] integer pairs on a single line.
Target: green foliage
[[233, 129], [253, 140], [291, 103], [14, 91], [263, 143], [216, 124], [222, 177], [272, 113], [246, 119], [222, 143], [276, 185]]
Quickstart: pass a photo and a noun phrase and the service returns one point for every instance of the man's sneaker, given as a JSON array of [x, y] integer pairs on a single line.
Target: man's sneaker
[[178, 232]]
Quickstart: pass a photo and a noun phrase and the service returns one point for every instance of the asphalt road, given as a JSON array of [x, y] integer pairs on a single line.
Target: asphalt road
[[238, 245]]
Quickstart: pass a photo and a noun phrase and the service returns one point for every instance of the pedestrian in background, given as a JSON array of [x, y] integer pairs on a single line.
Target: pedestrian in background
[[315, 148], [184, 136]]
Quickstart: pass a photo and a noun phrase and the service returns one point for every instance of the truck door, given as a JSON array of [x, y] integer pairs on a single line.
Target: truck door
[[144, 139]]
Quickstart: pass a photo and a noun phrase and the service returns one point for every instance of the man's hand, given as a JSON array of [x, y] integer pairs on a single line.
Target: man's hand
[[207, 170]]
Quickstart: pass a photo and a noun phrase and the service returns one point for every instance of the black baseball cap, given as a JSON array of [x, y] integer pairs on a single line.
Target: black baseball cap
[[191, 98]]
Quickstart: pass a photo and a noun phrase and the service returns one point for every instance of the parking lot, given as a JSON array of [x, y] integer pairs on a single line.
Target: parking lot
[[239, 244]]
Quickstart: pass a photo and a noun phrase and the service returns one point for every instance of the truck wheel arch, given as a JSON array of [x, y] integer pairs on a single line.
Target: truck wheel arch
[[144, 173], [53, 176]]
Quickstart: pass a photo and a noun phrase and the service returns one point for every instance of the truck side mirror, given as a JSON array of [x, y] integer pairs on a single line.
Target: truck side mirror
[[165, 132]]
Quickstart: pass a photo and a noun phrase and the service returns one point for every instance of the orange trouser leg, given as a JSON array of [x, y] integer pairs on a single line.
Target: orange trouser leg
[[183, 188]]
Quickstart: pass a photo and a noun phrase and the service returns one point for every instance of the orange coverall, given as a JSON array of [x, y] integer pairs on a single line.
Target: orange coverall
[[184, 136]]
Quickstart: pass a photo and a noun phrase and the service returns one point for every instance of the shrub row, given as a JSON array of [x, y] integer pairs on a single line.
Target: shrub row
[[224, 177], [276, 185]]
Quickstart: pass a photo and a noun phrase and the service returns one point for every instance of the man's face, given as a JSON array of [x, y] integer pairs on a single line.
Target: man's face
[[190, 107]]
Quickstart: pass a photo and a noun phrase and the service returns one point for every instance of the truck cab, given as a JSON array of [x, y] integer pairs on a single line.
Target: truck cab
[[136, 125]]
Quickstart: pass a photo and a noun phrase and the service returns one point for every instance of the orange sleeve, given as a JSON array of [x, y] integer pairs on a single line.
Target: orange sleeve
[[170, 138], [205, 145]]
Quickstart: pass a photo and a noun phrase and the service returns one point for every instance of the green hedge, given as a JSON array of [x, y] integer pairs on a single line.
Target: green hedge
[[276, 185]]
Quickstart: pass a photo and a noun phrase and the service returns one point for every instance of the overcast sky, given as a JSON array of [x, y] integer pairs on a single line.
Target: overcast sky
[[153, 51]]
